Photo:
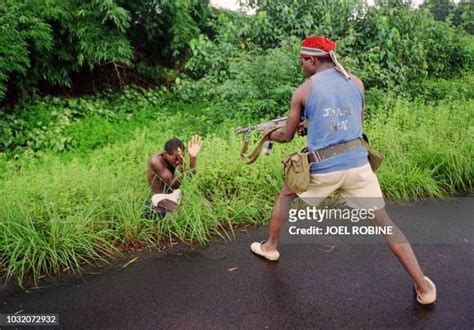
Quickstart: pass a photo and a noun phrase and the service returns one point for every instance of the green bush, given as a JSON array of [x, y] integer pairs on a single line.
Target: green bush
[[53, 123], [259, 84], [48, 41], [21, 32], [81, 46], [262, 83], [387, 45], [212, 57], [435, 90]]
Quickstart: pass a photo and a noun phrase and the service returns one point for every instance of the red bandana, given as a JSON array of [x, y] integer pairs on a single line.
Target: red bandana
[[317, 46]]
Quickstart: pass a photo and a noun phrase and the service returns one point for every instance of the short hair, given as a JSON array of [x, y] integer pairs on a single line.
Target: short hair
[[173, 144]]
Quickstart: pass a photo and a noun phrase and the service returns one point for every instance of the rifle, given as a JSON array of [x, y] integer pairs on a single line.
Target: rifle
[[265, 143], [279, 122]]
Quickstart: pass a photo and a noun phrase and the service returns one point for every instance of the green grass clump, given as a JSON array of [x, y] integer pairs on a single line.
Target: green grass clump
[[428, 150]]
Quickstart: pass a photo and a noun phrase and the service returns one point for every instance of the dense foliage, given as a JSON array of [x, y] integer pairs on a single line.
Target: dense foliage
[[52, 46], [460, 14], [388, 45], [76, 45]]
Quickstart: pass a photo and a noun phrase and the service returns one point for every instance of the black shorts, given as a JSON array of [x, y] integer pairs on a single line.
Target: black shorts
[[151, 212]]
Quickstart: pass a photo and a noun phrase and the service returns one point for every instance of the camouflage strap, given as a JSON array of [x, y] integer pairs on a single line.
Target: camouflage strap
[[250, 159]]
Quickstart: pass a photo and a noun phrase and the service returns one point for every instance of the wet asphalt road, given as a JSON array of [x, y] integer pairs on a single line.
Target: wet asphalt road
[[313, 285]]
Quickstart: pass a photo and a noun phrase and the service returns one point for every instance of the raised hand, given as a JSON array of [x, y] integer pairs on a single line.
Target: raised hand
[[194, 146]]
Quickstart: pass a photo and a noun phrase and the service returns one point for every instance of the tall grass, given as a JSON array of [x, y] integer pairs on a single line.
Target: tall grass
[[56, 214], [429, 149]]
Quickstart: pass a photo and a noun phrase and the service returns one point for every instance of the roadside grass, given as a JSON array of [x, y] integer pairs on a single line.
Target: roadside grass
[[428, 149], [58, 212]]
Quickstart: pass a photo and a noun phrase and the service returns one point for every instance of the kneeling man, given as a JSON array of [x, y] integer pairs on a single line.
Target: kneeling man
[[161, 176]]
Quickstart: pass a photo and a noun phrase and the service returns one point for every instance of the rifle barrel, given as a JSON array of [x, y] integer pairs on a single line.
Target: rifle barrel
[[270, 123]]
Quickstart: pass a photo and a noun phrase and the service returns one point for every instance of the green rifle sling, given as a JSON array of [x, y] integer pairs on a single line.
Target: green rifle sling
[[252, 157]]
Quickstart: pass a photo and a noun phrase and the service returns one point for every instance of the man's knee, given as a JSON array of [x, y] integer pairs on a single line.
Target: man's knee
[[381, 218], [286, 192]]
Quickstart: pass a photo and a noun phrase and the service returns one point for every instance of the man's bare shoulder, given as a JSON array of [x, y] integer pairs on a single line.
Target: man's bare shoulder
[[155, 162], [303, 91], [358, 82], [305, 86]]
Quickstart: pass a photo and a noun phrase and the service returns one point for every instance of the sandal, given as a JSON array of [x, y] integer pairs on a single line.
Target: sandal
[[256, 248], [426, 298]]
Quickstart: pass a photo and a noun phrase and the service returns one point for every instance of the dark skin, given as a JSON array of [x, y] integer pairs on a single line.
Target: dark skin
[[161, 167], [160, 173]]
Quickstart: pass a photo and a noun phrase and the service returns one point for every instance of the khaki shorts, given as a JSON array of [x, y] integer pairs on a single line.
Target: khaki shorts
[[359, 186]]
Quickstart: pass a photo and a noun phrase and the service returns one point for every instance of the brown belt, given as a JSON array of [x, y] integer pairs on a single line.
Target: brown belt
[[318, 155]]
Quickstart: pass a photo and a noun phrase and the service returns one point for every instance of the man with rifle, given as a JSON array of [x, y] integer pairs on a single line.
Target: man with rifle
[[332, 101]]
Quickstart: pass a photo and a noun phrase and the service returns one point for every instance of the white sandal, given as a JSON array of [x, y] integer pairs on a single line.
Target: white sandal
[[426, 298], [256, 248]]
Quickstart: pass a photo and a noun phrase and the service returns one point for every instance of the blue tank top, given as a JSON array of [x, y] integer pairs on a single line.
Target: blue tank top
[[333, 110]]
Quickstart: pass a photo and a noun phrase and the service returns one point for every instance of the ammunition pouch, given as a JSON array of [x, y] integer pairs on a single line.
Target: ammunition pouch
[[297, 164]]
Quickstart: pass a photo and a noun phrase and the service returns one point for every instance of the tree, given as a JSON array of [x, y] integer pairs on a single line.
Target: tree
[[440, 9], [53, 46]]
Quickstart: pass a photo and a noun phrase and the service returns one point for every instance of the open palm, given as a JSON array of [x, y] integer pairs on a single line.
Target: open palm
[[194, 146]]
